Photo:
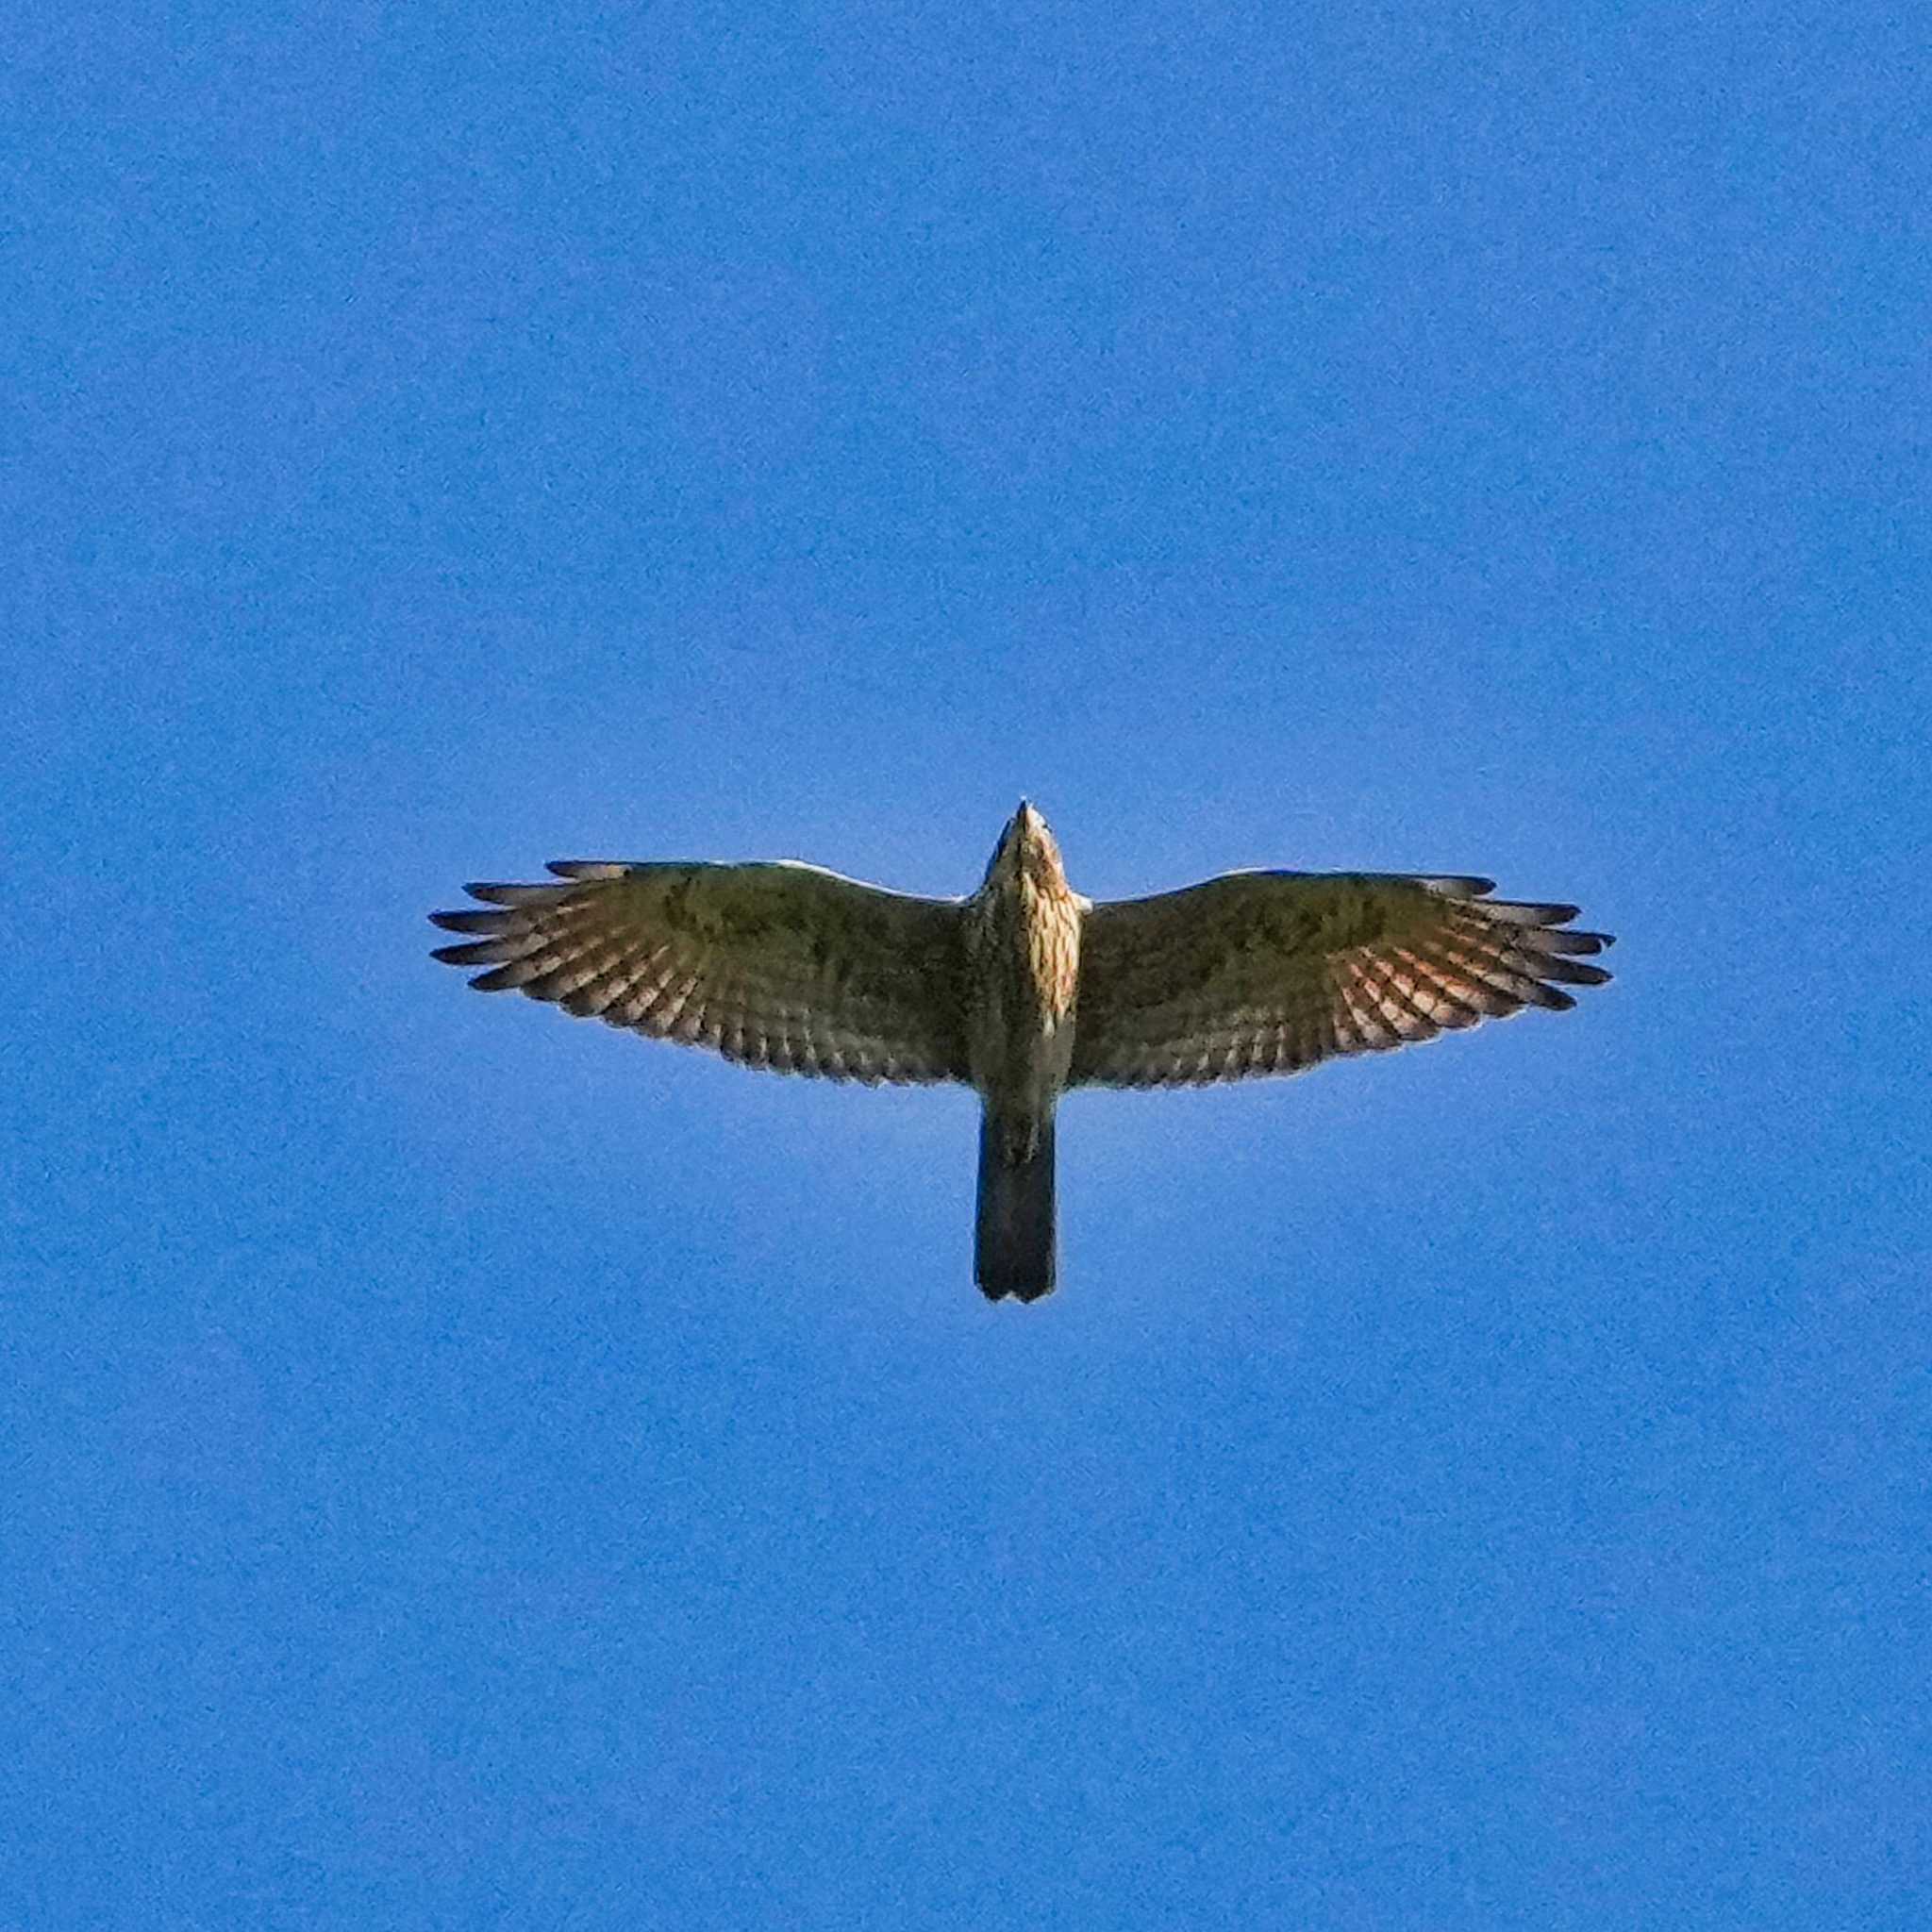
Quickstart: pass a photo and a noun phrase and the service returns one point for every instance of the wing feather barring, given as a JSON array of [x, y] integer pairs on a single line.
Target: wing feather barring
[[1025, 988]]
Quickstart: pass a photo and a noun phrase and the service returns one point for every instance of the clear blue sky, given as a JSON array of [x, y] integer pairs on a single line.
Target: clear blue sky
[[465, 1467]]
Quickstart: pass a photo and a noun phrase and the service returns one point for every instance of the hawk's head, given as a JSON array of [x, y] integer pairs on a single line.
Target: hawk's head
[[1026, 851]]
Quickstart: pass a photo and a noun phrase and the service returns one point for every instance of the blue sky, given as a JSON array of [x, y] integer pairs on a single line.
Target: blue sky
[[470, 1467]]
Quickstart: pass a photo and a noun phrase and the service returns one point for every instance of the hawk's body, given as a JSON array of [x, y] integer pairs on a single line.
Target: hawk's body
[[1023, 977], [1025, 989]]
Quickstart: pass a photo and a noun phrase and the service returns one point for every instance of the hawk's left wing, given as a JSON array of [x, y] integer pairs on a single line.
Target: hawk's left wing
[[777, 965], [1269, 972]]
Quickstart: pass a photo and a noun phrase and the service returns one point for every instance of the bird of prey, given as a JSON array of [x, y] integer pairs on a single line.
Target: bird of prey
[[1025, 988]]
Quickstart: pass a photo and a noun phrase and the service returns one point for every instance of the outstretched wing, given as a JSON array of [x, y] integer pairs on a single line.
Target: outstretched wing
[[1269, 972], [777, 965]]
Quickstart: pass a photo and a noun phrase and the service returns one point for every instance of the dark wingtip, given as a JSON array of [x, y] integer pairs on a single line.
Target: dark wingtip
[[477, 953], [502, 979], [470, 919], [1574, 971]]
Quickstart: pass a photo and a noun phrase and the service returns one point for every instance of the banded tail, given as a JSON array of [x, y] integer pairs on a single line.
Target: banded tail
[[1014, 1252]]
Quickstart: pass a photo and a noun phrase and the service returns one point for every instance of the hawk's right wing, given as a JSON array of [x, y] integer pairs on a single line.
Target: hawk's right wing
[[777, 965], [1269, 972]]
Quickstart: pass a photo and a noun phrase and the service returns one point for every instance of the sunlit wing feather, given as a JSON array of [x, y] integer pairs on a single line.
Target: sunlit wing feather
[[1270, 971], [776, 965]]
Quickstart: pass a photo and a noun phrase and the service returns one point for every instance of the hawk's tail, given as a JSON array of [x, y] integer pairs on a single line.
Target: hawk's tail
[[1015, 1246]]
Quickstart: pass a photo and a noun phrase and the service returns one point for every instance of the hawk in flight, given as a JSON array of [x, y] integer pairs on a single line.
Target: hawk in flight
[[1023, 989]]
